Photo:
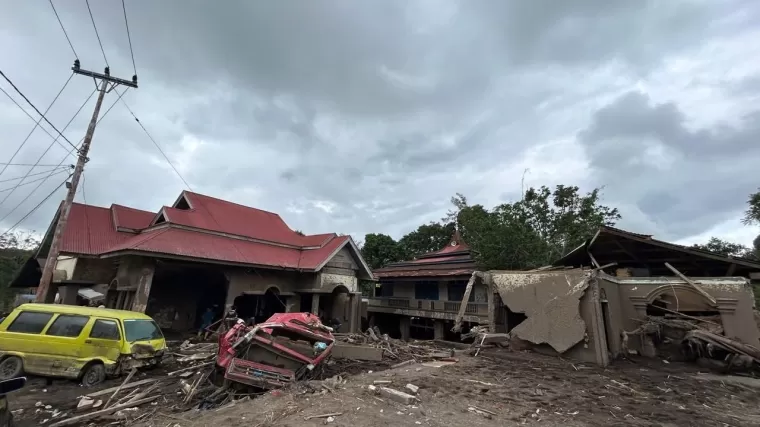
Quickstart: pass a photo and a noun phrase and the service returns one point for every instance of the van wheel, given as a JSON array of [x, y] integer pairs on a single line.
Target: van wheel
[[11, 367], [93, 375]]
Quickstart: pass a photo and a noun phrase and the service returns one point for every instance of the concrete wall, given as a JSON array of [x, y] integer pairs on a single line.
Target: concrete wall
[[100, 271], [66, 264], [628, 299], [562, 309]]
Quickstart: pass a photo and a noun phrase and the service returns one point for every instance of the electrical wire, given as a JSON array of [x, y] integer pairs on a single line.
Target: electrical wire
[[36, 125], [27, 164], [28, 175], [32, 118], [13, 227], [92, 18], [60, 163], [39, 159], [157, 146], [30, 182], [35, 108], [129, 37], [64, 30]]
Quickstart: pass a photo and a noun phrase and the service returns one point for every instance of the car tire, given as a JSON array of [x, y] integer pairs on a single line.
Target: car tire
[[93, 375], [11, 367]]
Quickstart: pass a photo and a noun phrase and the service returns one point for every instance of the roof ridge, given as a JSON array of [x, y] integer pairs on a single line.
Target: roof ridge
[[232, 203]]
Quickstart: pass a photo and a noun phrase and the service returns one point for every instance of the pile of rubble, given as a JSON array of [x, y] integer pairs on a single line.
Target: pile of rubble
[[697, 339]]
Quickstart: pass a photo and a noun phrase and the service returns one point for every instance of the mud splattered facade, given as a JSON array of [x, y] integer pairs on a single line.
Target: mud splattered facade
[[204, 253]]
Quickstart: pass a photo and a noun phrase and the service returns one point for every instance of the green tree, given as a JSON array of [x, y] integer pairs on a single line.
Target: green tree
[[15, 249], [724, 247], [534, 231], [426, 238], [380, 249], [752, 217]]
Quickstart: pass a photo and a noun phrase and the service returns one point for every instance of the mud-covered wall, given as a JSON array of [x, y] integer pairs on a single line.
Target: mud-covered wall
[[734, 297], [562, 311]]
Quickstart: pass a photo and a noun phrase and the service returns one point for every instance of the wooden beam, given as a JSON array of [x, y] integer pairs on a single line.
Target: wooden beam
[[693, 285]]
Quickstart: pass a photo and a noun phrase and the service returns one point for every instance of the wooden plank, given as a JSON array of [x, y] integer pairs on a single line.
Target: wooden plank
[[126, 387], [80, 418]]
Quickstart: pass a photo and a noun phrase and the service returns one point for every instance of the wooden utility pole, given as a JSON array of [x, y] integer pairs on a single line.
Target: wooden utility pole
[[106, 80]]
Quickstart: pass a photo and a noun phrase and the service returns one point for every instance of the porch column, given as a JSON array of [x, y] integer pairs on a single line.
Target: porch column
[[353, 312], [68, 294], [144, 284], [491, 308], [315, 304], [405, 326], [438, 329]]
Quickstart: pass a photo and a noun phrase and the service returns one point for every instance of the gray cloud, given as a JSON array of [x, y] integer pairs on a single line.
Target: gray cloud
[[367, 116]]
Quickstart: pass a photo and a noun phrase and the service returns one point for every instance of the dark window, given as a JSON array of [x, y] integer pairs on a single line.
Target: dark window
[[67, 326], [427, 290], [456, 291], [29, 322], [384, 290], [105, 329]]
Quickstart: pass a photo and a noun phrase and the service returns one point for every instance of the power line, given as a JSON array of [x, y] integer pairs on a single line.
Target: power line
[[157, 146], [64, 30], [129, 37], [39, 159], [32, 118], [35, 108], [28, 175], [37, 124], [28, 164], [96, 32], [58, 165], [35, 208], [29, 182]]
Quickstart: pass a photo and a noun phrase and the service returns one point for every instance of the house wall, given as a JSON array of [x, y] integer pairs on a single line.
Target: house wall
[[734, 296], [135, 274], [99, 271], [66, 264]]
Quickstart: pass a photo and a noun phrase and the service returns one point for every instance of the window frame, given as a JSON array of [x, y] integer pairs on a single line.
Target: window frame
[[101, 319], [21, 313], [84, 326]]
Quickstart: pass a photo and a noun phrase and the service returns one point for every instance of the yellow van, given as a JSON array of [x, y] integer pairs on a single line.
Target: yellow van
[[77, 342]]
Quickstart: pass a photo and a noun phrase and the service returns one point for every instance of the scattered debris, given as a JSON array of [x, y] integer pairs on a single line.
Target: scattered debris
[[398, 396]]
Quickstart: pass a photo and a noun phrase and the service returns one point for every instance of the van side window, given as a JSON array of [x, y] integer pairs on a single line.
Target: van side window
[[30, 322], [67, 326], [105, 329]]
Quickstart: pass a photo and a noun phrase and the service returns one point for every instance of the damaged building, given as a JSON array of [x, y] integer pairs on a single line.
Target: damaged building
[[601, 300], [420, 298], [201, 253]]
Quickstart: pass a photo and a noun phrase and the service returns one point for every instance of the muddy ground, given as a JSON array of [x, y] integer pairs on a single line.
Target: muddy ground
[[518, 387]]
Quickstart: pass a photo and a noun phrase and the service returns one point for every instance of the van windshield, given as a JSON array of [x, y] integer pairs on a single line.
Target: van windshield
[[141, 330]]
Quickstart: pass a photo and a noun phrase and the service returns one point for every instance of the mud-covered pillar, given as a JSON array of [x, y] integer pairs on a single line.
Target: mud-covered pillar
[[144, 283], [353, 312], [491, 299], [315, 304], [405, 327], [439, 329]]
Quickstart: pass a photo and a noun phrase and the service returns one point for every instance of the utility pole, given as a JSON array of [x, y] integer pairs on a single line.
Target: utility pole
[[106, 80]]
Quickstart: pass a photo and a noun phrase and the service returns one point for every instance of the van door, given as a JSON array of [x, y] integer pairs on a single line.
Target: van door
[[65, 336], [103, 340], [23, 335]]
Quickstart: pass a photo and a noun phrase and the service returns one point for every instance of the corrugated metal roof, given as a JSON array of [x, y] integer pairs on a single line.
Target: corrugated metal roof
[[423, 273], [452, 260], [91, 230]]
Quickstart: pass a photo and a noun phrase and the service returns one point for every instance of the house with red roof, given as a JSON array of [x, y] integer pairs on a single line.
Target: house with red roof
[[422, 296], [202, 252]]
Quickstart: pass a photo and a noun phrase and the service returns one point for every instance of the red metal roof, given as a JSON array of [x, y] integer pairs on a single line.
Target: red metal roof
[[212, 229], [452, 260]]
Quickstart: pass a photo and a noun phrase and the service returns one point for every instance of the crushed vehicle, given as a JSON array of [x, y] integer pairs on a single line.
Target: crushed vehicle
[[85, 343], [287, 347]]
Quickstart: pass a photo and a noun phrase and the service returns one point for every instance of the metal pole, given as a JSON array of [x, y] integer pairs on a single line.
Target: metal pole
[[55, 246]]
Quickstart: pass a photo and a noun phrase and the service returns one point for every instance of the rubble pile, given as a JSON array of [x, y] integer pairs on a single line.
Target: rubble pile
[[696, 339], [397, 351]]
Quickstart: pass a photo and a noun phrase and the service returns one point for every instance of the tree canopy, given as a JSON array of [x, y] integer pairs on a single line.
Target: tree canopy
[[724, 247], [379, 250], [15, 249]]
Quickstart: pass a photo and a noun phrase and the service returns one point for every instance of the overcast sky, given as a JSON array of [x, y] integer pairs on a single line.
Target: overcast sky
[[367, 116]]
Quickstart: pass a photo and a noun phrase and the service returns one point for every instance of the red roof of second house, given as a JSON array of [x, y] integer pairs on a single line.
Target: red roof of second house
[[452, 260], [209, 229]]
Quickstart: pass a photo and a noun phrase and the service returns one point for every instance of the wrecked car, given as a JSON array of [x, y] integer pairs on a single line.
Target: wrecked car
[[287, 347], [84, 343]]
